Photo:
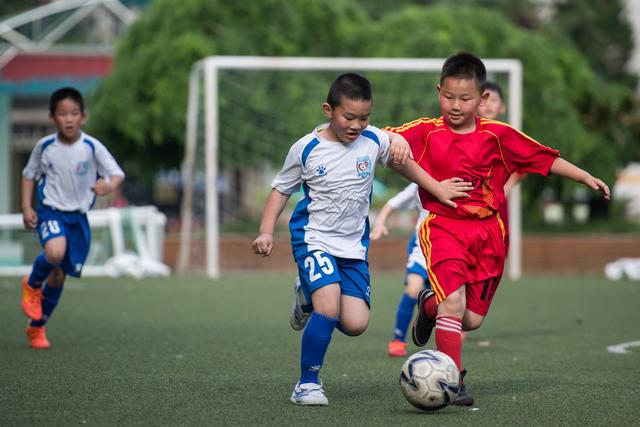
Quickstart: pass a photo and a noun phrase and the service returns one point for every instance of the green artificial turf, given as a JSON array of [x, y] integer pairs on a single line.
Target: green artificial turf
[[189, 351]]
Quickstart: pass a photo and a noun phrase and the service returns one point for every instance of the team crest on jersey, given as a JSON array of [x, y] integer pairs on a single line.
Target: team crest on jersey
[[321, 170], [82, 168], [363, 166]]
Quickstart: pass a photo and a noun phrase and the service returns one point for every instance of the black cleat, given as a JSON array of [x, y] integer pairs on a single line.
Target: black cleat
[[463, 398], [422, 325]]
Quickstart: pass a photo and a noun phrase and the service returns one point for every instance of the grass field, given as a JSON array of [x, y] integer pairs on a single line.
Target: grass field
[[191, 352]]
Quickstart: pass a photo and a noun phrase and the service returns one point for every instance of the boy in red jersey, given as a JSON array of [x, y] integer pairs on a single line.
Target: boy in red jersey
[[464, 246]]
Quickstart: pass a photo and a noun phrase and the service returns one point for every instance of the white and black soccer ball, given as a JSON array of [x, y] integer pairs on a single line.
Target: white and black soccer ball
[[430, 380]]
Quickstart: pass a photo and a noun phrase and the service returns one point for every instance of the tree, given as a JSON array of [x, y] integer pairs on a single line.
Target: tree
[[143, 101]]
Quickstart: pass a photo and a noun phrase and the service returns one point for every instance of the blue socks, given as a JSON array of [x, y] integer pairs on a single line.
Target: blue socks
[[403, 317], [315, 341], [40, 270], [50, 297]]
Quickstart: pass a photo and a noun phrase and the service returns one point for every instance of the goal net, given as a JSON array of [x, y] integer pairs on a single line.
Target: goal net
[[244, 114]]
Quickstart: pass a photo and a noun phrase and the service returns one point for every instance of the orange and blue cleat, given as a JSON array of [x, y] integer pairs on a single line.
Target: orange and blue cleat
[[37, 337], [31, 301], [397, 348]]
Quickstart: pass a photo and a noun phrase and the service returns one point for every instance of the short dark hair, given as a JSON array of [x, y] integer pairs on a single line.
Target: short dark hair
[[465, 65], [64, 93], [494, 87], [350, 85]]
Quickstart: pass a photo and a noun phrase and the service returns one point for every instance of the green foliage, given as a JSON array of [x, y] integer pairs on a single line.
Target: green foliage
[[143, 101], [142, 104]]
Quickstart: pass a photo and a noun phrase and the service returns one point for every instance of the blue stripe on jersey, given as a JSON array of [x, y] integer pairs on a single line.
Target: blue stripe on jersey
[[365, 236], [307, 150], [371, 136], [47, 143], [43, 179], [412, 243], [299, 219], [93, 150], [90, 144]]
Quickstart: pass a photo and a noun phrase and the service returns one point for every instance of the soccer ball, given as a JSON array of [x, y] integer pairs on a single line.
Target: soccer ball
[[430, 380]]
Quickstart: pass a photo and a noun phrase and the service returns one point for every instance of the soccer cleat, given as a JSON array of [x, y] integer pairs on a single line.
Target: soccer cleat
[[463, 398], [397, 348], [298, 318], [309, 394], [422, 324], [31, 300], [37, 337]]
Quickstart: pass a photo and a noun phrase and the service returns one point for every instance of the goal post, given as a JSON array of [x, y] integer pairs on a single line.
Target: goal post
[[204, 83]]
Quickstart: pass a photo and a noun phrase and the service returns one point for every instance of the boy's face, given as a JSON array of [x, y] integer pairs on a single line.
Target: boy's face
[[494, 107], [459, 102], [68, 119], [348, 119]]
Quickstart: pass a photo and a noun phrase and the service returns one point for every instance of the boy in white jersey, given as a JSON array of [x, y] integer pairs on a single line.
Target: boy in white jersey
[[329, 228], [416, 276], [71, 169]]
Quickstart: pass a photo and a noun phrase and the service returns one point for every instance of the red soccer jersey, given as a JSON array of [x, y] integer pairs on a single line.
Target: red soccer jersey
[[486, 156]]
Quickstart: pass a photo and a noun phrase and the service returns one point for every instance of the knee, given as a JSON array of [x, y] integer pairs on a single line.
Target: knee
[[453, 304], [54, 255], [356, 329]]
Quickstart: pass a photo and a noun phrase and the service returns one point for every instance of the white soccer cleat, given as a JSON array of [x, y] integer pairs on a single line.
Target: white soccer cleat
[[309, 394], [299, 318]]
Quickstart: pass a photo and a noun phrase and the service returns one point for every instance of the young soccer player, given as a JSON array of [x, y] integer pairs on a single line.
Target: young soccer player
[[416, 278], [71, 168], [464, 246], [329, 227]]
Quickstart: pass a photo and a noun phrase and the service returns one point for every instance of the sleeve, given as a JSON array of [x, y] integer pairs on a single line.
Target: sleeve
[[414, 133], [32, 169], [288, 180], [524, 154], [385, 146], [106, 163], [406, 199]]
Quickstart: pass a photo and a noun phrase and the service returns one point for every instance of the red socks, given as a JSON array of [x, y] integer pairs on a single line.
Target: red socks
[[430, 307], [449, 336]]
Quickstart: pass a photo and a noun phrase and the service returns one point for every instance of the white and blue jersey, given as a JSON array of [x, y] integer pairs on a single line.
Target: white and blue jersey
[[336, 178], [410, 199], [66, 172], [65, 175]]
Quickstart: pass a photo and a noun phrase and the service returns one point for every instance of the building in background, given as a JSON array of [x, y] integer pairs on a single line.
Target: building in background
[[62, 43]]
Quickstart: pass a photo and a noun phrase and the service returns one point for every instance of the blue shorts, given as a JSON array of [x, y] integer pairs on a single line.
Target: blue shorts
[[317, 269], [74, 226]]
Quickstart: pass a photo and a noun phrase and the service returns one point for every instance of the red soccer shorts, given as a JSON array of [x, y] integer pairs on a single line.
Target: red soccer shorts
[[464, 252]]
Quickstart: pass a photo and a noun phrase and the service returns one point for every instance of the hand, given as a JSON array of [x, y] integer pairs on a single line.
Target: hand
[[599, 185], [399, 151], [453, 188], [263, 245], [101, 188], [29, 218], [378, 231]]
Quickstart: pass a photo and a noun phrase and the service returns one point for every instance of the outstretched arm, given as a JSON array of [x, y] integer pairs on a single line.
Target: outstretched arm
[[569, 170], [263, 245], [444, 191]]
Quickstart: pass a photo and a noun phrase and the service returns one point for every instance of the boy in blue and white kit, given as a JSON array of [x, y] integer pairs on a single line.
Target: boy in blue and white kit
[[329, 228], [71, 169]]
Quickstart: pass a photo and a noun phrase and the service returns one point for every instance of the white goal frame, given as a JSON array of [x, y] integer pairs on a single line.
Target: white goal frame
[[207, 70]]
